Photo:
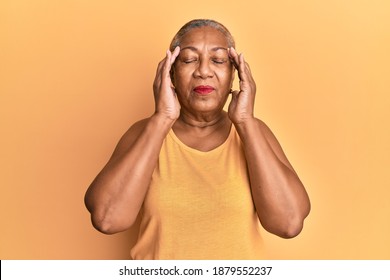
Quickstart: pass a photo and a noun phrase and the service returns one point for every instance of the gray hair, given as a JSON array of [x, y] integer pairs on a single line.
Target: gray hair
[[197, 23]]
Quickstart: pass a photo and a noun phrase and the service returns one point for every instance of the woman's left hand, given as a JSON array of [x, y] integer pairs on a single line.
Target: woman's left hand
[[241, 106]]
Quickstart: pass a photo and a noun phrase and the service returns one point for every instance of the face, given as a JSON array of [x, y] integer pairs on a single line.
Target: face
[[203, 73]]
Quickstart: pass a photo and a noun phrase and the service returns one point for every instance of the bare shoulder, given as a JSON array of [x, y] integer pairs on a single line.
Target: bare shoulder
[[268, 134], [129, 137], [274, 143], [266, 130]]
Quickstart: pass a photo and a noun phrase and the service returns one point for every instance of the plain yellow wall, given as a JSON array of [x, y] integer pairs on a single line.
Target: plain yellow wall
[[74, 75]]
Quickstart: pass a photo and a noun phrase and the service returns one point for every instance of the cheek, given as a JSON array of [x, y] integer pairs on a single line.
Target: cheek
[[182, 76], [227, 76], [181, 79]]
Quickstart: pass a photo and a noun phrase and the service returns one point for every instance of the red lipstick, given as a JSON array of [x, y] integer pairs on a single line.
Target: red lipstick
[[203, 90]]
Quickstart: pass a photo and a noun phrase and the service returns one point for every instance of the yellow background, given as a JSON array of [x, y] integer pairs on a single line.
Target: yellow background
[[74, 75]]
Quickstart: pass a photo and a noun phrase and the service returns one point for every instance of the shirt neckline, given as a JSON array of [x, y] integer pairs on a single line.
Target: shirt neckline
[[176, 139]]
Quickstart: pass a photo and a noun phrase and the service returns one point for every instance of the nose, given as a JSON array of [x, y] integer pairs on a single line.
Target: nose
[[203, 70]]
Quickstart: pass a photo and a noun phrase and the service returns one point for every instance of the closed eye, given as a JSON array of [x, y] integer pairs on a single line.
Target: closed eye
[[188, 61], [219, 61]]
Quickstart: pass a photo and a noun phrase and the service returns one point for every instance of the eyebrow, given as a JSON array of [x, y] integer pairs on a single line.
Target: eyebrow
[[195, 49]]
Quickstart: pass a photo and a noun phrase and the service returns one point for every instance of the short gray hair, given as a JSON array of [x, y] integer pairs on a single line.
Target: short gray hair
[[196, 23]]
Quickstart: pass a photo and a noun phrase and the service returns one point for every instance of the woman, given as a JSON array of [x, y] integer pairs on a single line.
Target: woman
[[200, 178]]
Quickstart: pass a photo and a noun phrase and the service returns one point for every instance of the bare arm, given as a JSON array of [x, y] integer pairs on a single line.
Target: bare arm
[[280, 199], [116, 195]]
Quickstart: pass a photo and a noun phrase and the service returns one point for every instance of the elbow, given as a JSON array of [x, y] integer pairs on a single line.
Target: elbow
[[292, 230], [102, 225], [106, 220], [110, 226], [295, 225], [287, 228]]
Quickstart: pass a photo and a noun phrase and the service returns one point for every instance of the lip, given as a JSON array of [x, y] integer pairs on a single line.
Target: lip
[[204, 89]]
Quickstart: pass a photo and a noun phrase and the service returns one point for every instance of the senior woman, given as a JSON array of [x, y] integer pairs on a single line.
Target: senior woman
[[201, 179]]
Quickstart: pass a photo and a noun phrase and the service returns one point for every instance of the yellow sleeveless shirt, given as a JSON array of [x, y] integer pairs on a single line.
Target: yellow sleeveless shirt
[[199, 205]]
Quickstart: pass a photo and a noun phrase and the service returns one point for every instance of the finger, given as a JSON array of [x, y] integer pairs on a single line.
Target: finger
[[234, 57], [248, 71], [167, 65], [157, 79], [160, 67], [241, 67], [244, 70], [175, 54], [170, 59], [235, 93], [165, 72], [247, 76], [239, 63], [247, 66], [160, 70]]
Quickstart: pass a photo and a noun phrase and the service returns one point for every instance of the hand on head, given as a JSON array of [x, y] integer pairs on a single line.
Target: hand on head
[[166, 103], [241, 106]]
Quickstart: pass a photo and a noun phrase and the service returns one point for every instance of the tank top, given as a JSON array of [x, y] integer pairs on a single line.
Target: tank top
[[199, 205]]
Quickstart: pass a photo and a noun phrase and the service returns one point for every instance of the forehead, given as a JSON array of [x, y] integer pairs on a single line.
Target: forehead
[[205, 35]]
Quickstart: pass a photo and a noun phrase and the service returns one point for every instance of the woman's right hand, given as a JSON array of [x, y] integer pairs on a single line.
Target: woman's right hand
[[166, 103]]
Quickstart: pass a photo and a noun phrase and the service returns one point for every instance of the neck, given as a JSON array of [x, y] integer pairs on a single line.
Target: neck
[[202, 121], [203, 134]]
